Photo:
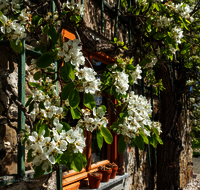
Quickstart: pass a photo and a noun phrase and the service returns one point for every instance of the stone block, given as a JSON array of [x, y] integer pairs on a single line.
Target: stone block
[[8, 165]]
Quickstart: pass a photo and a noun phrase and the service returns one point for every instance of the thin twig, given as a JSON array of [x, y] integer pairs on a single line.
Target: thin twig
[[14, 98]]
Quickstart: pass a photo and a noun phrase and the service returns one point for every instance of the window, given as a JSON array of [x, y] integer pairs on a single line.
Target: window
[[95, 156]]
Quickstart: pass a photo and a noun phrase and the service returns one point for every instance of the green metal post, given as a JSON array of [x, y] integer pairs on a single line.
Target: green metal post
[[143, 93], [102, 16], [185, 105], [116, 18], [136, 148], [83, 3], [53, 8], [21, 117], [129, 25], [59, 178], [151, 89], [173, 65], [171, 71], [59, 170], [137, 157]]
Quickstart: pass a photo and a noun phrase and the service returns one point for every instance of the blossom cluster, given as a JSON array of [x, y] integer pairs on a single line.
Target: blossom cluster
[[78, 8], [139, 110], [121, 82], [152, 63], [121, 78], [156, 125], [163, 21], [94, 122], [44, 149], [189, 82], [14, 30], [6, 6], [184, 10], [87, 76], [72, 53]]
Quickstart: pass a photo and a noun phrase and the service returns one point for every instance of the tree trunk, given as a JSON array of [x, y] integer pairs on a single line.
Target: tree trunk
[[168, 154]]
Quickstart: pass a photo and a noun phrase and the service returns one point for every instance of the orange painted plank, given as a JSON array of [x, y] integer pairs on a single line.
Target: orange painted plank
[[89, 151], [93, 166], [73, 186], [72, 172], [79, 176], [68, 34]]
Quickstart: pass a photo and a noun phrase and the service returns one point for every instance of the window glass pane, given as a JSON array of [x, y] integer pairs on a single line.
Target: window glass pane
[[97, 154]]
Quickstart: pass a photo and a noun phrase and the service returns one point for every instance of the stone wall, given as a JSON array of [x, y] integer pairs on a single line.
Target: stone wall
[[8, 113], [8, 127], [93, 21], [186, 164]]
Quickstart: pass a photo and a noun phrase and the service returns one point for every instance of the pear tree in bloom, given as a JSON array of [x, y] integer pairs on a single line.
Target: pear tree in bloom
[[163, 33]]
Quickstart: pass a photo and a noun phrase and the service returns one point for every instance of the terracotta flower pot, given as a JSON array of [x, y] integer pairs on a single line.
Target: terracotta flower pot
[[106, 173], [94, 179], [114, 169], [114, 172]]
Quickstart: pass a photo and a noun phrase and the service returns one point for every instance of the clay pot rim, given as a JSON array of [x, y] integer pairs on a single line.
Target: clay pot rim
[[90, 173]]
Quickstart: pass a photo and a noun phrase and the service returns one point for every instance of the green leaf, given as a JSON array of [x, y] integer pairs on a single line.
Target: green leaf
[[45, 59], [36, 20], [42, 128], [45, 29], [75, 113], [0, 16], [103, 107], [16, 47], [155, 131], [74, 98], [145, 61], [109, 66], [139, 142], [62, 159], [47, 131], [159, 36], [53, 34], [65, 72], [31, 106], [38, 171], [114, 125], [121, 144], [63, 13], [41, 105], [84, 160], [66, 90], [29, 156], [37, 126], [2, 36], [66, 126], [77, 163], [39, 22], [153, 140], [130, 67], [144, 137], [89, 101], [28, 101], [33, 84], [156, 6], [123, 3], [159, 140], [99, 139], [106, 134], [37, 75]]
